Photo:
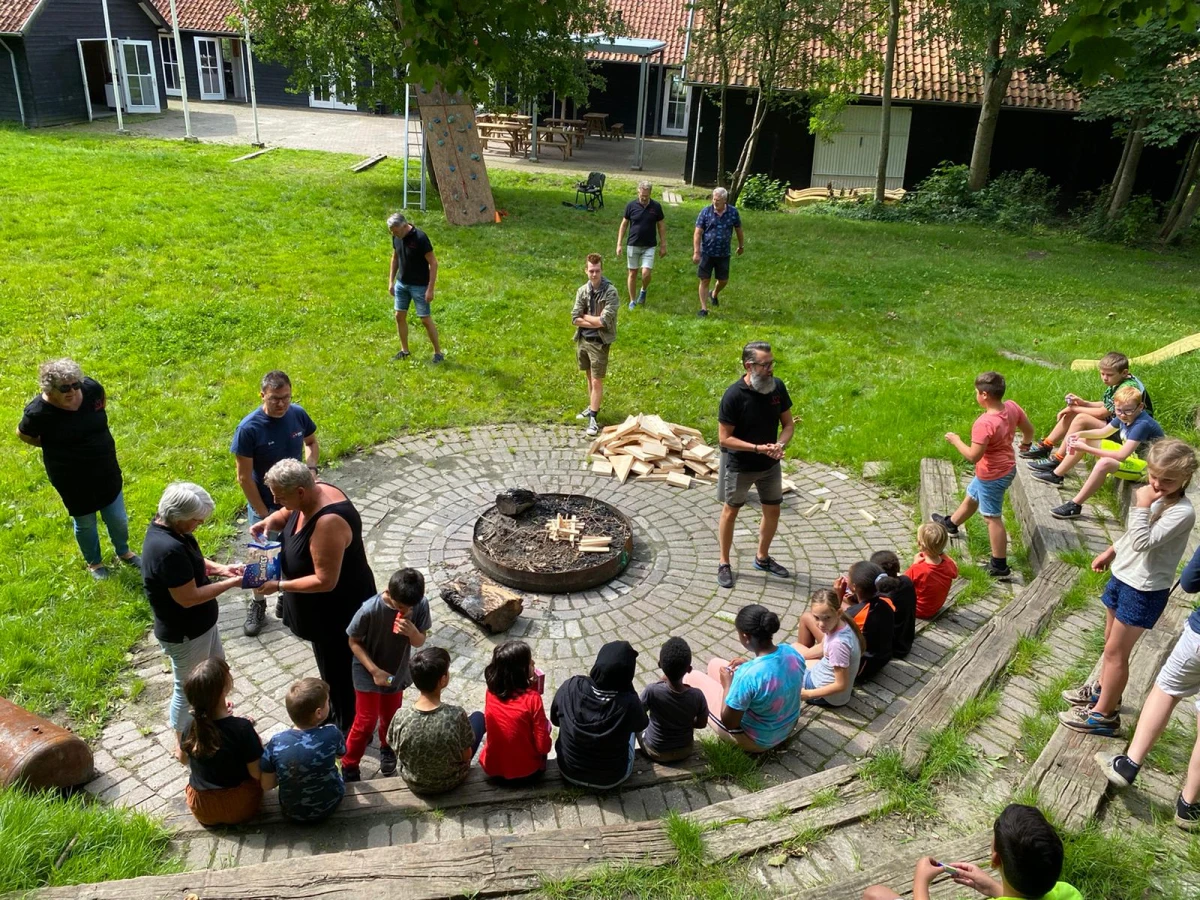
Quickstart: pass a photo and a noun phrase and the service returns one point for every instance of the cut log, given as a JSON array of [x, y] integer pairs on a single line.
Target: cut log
[[492, 607], [1044, 535], [515, 501], [676, 480], [939, 493], [621, 466]]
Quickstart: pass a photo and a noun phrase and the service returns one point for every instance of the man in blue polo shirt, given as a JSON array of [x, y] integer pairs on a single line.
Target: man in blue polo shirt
[[711, 246], [279, 429]]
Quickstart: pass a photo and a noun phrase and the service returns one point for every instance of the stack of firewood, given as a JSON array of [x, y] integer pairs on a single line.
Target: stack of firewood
[[562, 528]]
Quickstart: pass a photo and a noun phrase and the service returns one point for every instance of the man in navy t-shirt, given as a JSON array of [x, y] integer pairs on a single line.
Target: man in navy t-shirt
[[279, 429]]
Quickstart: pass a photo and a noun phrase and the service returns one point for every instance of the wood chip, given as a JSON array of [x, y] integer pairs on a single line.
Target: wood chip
[[866, 515], [787, 486], [828, 503], [812, 509]]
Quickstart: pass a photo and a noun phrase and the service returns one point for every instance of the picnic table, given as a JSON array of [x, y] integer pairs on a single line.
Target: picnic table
[[555, 139], [513, 136], [597, 123]]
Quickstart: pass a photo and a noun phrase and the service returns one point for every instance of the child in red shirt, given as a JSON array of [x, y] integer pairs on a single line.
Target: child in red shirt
[[932, 571], [991, 451], [513, 717]]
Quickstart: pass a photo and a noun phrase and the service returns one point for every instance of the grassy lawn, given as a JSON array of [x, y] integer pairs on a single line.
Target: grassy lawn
[[177, 278]]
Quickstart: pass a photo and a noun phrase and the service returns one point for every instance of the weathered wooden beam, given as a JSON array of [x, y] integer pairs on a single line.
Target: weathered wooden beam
[[938, 493], [1045, 536], [252, 155], [977, 665]]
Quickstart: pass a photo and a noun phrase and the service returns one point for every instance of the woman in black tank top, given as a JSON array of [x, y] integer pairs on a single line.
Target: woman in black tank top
[[325, 576]]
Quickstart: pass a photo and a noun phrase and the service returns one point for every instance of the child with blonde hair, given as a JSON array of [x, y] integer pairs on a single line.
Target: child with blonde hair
[[932, 571], [832, 638], [1142, 566], [1133, 429]]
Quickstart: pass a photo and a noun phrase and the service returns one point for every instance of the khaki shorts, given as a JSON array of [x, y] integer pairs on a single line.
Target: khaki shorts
[[593, 357], [734, 487]]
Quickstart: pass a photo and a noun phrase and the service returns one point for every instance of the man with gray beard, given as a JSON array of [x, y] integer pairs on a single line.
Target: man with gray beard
[[752, 412]]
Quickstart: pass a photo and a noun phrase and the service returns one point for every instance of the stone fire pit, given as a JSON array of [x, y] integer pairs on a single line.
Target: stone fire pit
[[515, 549]]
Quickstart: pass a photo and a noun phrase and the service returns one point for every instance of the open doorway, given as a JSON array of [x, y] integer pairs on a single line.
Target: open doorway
[[135, 86], [234, 69], [99, 89]]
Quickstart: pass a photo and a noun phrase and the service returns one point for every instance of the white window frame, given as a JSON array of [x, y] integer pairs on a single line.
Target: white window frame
[[687, 106], [151, 74], [216, 42], [166, 43], [333, 102]]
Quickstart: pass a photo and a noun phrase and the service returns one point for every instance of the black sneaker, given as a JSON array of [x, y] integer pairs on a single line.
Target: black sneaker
[[1187, 815], [1049, 464], [403, 354], [1037, 451], [725, 575], [998, 571], [387, 761], [351, 773], [1118, 768], [769, 565], [1069, 510], [944, 521], [702, 313], [438, 357], [256, 616], [100, 573], [1048, 476], [133, 560], [714, 299]]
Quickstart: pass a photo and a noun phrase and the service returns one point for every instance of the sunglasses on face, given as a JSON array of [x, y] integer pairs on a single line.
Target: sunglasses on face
[[68, 388]]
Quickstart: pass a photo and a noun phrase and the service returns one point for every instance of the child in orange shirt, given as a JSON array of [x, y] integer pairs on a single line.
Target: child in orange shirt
[[932, 571]]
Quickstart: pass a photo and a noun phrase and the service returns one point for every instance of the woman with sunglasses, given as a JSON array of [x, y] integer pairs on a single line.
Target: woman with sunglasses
[[69, 422]]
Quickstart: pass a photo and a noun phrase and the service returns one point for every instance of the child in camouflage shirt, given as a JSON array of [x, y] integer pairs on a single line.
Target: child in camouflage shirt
[[303, 760], [433, 741]]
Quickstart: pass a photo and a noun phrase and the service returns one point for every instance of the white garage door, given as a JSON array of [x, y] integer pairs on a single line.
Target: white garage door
[[851, 158]]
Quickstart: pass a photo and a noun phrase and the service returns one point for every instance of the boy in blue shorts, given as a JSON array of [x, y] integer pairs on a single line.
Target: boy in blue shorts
[[303, 760], [991, 451], [1134, 430]]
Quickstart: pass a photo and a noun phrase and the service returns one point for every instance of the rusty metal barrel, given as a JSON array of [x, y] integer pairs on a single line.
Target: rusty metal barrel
[[39, 754]]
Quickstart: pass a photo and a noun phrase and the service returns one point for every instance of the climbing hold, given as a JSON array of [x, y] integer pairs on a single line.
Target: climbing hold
[[460, 148], [437, 120], [474, 177], [441, 143], [469, 124], [475, 156], [449, 118], [483, 208], [452, 168]]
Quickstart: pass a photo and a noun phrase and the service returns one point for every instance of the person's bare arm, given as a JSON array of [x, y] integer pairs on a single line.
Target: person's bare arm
[[392, 271], [245, 480], [741, 236], [841, 678], [972, 453], [696, 236], [268, 780], [330, 538], [727, 441], [621, 235], [192, 594], [433, 270], [312, 451], [662, 237], [787, 429], [29, 439], [378, 675]]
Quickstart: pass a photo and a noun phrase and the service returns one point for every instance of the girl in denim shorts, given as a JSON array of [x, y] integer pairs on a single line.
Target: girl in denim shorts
[[1142, 564]]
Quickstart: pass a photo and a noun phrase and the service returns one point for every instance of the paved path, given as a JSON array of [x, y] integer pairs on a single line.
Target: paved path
[[363, 135], [419, 497]]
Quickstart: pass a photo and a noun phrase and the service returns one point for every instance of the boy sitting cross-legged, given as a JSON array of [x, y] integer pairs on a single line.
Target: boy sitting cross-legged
[[991, 451], [1081, 415], [675, 709], [434, 741], [1136, 430], [302, 761]]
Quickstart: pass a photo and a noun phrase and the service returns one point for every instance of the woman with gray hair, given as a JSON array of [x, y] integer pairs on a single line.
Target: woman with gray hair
[[324, 573], [176, 576], [69, 421]]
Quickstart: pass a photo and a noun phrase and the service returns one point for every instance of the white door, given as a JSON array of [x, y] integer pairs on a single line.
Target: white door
[[166, 46], [325, 95], [851, 158], [137, 75], [677, 105], [208, 67]]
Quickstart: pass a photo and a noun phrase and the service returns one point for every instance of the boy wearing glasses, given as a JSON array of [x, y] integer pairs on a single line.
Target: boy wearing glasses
[[1135, 429], [69, 421], [756, 424]]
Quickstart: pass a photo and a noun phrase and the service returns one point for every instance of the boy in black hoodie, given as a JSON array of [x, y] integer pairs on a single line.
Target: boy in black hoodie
[[597, 716]]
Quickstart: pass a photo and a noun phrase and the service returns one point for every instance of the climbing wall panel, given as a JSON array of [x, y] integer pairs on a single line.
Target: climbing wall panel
[[456, 156]]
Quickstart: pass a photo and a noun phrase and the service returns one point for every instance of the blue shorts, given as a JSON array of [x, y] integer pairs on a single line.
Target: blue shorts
[[990, 494], [406, 293], [1137, 609]]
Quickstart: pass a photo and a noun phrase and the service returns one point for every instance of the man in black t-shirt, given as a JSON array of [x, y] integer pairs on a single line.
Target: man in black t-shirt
[[68, 420], [411, 280], [642, 217], [752, 412]]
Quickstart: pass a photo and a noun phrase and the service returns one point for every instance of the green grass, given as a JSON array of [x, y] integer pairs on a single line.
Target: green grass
[[1030, 650], [109, 843], [1131, 865], [1172, 750], [729, 762]]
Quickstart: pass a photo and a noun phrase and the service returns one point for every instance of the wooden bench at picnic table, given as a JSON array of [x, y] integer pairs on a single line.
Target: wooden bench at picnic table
[[555, 139], [514, 137]]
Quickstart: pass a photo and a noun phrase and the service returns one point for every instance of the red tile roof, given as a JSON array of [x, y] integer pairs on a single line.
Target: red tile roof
[[926, 71], [201, 15], [659, 20], [14, 14]]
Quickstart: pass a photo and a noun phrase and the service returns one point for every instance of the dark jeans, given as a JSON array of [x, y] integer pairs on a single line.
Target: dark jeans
[[479, 727], [333, 659]]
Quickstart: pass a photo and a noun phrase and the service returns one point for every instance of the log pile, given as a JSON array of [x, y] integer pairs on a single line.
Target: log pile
[[654, 450]]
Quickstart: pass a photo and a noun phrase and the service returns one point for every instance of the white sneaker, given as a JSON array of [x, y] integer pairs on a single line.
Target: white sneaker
[[585, 413], [593, 428]]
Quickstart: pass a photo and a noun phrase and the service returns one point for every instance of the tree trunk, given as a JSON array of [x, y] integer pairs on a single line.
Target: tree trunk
[[995, 86], [1187, 177], [1128, 174], [743, 167], [721, 140], [1187, 215], [1120, 164], [885, 121]]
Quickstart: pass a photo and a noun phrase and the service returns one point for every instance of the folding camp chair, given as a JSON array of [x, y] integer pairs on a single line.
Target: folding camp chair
[[592, 191]]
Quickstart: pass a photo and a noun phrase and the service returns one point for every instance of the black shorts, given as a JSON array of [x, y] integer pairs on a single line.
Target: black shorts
[[713, 265]]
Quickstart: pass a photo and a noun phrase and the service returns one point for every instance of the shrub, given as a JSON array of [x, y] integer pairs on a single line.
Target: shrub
[[762, 192], [1137, 222]]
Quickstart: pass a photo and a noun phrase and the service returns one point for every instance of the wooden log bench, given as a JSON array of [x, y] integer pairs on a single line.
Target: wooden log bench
[[978, 664], [896, 872], [391, 795], [1065, 775], [938, 493], [1043, 535]]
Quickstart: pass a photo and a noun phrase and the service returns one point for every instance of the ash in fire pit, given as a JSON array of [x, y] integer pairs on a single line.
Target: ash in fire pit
[[518, 550]]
